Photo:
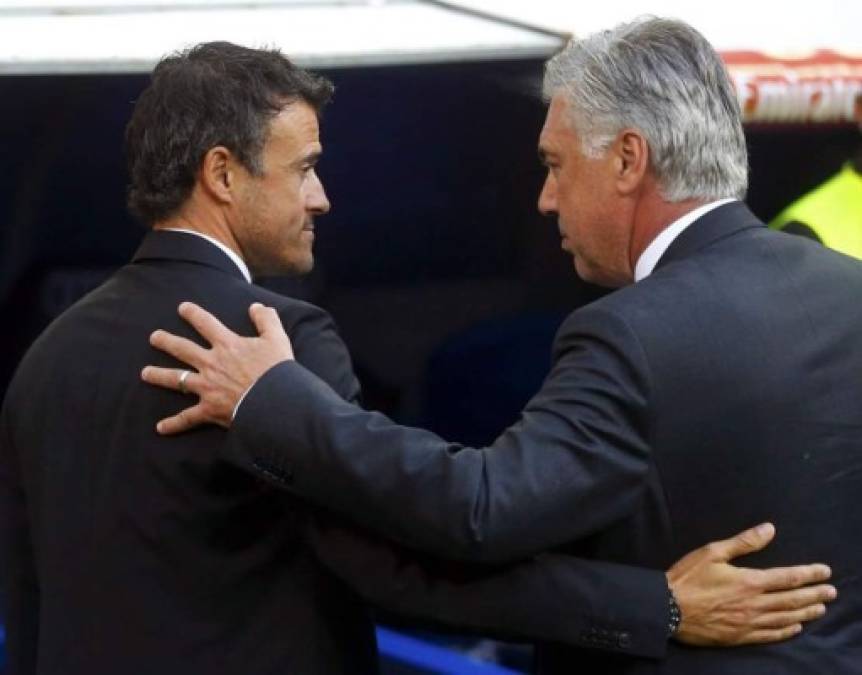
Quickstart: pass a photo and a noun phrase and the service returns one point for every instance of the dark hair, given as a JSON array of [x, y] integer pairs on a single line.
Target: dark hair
[[215, 93]]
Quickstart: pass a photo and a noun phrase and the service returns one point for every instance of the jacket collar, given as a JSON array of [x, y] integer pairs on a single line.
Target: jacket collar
[[717, 224], [184, 247]]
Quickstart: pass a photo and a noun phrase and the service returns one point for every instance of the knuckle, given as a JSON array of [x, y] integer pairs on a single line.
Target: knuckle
[[747, 539], [714, 550], [764, 636], [775, 580], [794, 577], [796, 601], [754, 581], [781, 620]]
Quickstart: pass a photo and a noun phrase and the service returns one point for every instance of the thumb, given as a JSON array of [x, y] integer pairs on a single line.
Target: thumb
[[266, 321], [746, 542]]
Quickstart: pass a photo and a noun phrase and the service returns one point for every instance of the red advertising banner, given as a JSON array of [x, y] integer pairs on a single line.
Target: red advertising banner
[[823, 86]]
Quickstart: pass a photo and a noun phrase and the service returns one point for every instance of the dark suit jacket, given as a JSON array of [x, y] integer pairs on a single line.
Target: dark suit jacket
[[124, 552], [723, 390]]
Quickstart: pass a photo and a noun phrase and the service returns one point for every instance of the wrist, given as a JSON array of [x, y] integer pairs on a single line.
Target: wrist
[[674, 618]]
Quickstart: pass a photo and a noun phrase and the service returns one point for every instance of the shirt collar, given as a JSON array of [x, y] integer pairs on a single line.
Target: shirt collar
[[230, 253], [647, 261]]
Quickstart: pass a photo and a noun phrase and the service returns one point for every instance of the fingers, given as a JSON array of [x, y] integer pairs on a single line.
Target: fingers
[[800, 598], [266, 321], [746, 542], [169, 378], [783, 619], [765, 635], [180, 348], [182, 421], [210, 328], [785, 578]]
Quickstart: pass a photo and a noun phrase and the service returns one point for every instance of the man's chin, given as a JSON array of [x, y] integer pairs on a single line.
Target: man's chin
[[597, 276], [586, 272], [285, 268]]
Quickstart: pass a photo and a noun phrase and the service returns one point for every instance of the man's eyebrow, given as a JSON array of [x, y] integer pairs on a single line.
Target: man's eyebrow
[[544, 154], [311, 158]]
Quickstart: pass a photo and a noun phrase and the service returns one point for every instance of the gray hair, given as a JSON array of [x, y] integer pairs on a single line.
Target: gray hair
[[663, 78]]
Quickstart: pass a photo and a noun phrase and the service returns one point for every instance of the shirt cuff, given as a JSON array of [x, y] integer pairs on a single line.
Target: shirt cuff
[[239, 403]]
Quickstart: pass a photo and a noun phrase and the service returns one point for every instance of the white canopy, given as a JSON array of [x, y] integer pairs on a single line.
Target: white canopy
[[69, 36], [783, 28]]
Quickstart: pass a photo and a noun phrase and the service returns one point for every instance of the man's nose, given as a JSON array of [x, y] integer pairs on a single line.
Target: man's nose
[[318, 202], [548, 196]]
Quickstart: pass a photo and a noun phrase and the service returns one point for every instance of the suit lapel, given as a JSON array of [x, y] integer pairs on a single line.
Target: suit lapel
[[719, 223], [184, 247]]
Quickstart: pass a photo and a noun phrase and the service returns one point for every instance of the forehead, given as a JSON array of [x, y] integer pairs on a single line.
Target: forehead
[[557, 131], [295, 127]]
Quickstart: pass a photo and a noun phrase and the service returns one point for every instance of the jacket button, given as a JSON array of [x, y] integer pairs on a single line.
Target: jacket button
[[624, 640]]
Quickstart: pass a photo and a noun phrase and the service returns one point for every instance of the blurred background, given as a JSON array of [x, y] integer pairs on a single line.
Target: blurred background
[[446, 283]]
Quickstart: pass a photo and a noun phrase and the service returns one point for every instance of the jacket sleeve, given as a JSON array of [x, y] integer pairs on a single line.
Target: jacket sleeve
[[574, 463], [551, 598], [19, 588]]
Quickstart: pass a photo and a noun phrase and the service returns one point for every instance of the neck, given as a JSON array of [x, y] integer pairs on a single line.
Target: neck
[[653, 216], [209, 224]]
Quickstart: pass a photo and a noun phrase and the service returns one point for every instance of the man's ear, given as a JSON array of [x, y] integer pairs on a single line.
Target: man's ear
[[631, 160], [218, 174]]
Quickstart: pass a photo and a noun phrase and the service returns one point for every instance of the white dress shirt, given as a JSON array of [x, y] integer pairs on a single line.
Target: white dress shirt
[[227, 251], [653, 253]]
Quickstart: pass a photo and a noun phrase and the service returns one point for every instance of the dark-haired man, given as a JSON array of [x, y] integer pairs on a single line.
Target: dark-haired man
[[126, 552]]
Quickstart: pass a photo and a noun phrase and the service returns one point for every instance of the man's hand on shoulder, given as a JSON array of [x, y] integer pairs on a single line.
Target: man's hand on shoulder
[[723, 605], [221, 375]]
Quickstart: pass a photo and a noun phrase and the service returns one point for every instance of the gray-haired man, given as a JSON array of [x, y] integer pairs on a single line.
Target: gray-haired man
[[708, 393]]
